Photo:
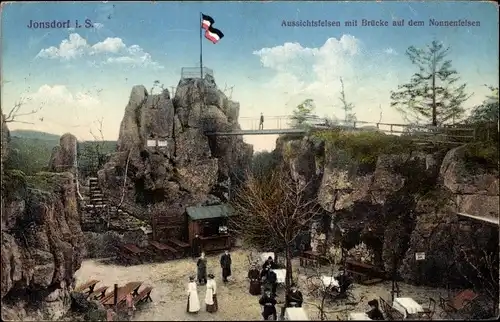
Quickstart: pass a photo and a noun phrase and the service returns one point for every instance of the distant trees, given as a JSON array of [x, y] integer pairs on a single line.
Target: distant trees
[[302, 113], [433, 94], [349, 116], [273, 211], [488, 110]]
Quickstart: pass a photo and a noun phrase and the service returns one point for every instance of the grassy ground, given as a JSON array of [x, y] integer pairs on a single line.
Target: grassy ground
[[235, 302]]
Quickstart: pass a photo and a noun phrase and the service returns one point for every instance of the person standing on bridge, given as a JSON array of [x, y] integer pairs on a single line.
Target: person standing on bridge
[[261, 123]]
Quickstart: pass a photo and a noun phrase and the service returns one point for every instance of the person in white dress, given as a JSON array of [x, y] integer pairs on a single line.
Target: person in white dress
[[211, 295], [193, 302]]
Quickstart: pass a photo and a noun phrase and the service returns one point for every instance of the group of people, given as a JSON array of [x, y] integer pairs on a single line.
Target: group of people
[[193, 302], [268, 300]]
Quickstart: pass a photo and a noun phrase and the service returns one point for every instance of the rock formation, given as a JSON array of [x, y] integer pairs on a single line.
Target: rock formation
[[63, 156], [402, 203], [180, 166], [42, 243]]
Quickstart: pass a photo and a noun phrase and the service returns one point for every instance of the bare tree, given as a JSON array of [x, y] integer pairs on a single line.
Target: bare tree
[[317, 286], [481, 271], [15, 112], [349, 116], [273, 211]]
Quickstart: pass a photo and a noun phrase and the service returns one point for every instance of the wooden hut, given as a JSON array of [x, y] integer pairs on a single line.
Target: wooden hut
[[210, 223]]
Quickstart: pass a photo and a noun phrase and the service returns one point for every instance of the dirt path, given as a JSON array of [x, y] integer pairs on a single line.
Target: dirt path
[[235, 303]]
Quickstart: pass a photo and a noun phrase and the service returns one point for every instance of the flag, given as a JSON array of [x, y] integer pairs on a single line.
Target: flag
[[214, 35], [206, 21]]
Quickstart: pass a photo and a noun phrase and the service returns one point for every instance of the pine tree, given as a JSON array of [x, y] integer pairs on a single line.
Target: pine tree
[[432, 95], [302, 113]]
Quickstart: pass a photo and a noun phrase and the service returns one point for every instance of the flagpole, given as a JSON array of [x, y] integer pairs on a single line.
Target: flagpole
[[201, 46]]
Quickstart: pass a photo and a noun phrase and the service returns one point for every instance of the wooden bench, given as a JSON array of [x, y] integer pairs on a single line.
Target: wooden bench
[[163, 249], [122, 292], [131, 252], [88, 285], [306, 261], [182, 245], [98, 294], [144, 295]]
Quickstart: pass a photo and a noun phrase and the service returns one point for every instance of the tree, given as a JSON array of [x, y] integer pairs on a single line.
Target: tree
[[15, 112], [432, 95], [349, 116], [272, 213], [302, 113], [316, 288], [488, 110]]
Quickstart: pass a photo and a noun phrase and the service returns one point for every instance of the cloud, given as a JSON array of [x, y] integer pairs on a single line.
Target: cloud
[[113, 50], [60, 110], [61, 95], [390, 51], [314, 72]]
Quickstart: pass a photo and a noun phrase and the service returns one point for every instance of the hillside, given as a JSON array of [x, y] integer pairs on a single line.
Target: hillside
[[30, 134], [29, 151]]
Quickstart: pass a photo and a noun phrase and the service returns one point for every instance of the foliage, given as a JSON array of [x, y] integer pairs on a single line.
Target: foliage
[[432, 95], [365, 147], [349, 116], [483, 154], [30, 151], [13, 184], [272, 212], [92, 155], [302, 113], [30, 155], [488, 110], [264, 163], [45, 181]]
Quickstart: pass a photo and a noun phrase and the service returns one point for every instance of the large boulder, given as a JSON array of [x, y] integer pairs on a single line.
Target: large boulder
[[63, 156]]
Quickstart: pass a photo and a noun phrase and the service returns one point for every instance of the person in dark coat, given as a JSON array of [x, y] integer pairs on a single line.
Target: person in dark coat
[[255, 280], [269, 264], [268, 303], [294, 297], [202, 269], [225, 264], [344, 281], [374, 313], [272, 281], [195, 247]]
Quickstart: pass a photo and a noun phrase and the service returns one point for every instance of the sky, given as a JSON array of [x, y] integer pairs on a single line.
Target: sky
[[76, 76]]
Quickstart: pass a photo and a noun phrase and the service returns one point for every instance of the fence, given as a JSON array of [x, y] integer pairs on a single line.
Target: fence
[[195, 72]]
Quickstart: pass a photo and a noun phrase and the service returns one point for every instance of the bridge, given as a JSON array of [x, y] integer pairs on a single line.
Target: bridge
[[283, 125]]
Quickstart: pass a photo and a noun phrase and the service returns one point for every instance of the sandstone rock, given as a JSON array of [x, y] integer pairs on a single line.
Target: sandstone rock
[[189, 168], [63, 157], [191, 145], [129, 136], [198, 177], [405, 197]]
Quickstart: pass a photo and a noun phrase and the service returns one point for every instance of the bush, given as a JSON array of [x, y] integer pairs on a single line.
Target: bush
[[366, 147], [483, 154]]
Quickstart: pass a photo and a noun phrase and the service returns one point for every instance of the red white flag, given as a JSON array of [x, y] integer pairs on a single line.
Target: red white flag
[[214, 35], [206, 21]]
